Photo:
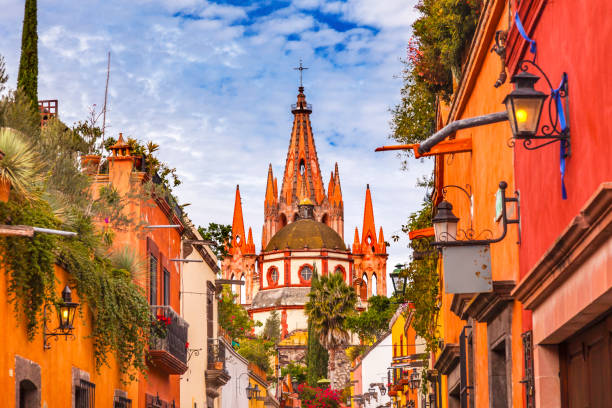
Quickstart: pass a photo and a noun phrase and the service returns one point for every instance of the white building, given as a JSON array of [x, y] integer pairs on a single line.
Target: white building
[[233, 394], [374, 364]]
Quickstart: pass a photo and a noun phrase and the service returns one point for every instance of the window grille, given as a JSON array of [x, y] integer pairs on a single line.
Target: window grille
[[210, 303], [528, 380], [85, 395], [153, 280], [166, 287], [122, 402], [465, 388]]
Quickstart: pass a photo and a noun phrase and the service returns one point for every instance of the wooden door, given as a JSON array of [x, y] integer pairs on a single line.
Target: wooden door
[[586, 367]]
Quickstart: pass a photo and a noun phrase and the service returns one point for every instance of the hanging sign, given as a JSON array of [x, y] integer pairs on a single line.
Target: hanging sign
[[467, 269]]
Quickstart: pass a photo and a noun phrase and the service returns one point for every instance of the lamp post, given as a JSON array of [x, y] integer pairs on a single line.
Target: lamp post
[[399, 280], [415, 381], [66, 311]]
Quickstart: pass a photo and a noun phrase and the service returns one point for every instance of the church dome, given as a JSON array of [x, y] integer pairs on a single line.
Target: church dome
[[306, 233]]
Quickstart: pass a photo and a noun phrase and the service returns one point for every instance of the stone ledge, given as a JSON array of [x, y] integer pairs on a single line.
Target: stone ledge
[[449, 358]]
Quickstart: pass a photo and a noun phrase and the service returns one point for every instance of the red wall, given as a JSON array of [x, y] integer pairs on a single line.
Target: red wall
[[572, 36]]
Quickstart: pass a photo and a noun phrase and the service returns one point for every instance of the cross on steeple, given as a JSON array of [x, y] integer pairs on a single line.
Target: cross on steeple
[[301, 69]]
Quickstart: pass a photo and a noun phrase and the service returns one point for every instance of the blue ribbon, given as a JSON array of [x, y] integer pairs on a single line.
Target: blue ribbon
[[519, 26], [554, 93]]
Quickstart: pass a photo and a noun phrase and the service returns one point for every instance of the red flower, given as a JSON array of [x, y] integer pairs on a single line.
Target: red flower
[[186, 345]]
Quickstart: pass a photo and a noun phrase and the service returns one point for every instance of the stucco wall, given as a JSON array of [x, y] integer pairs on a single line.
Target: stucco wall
[[233, 394], [374, 370], [195, 279]]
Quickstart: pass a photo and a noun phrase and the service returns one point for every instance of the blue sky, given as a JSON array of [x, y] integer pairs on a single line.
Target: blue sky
[[212, 82]]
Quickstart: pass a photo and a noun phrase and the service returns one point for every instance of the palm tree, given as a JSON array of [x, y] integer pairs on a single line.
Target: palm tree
[[331, 301]]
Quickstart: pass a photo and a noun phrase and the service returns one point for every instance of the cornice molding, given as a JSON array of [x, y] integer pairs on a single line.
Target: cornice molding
[[448, 359], [485, 307], [459, 303]]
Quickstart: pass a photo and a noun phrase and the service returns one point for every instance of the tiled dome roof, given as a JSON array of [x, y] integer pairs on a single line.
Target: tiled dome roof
[[306, 233]]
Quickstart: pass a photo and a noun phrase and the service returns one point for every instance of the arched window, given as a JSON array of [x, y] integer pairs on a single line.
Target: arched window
[[282, 221], [295, 217], [305, 273], [242, 291], [363, 291], [272, 276], [232, 286], [325, 219], [340, 269], [374, 285], [302, 167], [27, 394]]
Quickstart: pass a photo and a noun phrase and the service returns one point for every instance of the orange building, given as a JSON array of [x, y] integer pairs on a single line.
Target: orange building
[[481, 358], [156, 238]]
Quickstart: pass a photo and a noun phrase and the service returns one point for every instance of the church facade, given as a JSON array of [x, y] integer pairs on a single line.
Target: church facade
[[302, 232]]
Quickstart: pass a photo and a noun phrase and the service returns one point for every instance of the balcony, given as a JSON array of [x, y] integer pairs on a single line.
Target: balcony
[[169, 353], [216, 374]]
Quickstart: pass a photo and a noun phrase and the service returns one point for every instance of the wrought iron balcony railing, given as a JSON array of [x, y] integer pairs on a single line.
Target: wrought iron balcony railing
[[216, 354], [175, 340]]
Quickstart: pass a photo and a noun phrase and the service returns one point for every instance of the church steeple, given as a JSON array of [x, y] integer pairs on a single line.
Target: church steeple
[[302, 171], [239, 240]]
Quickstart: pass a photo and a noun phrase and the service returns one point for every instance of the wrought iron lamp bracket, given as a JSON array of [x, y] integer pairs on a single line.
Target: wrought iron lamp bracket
[[467, 190], [552, 132], [454, 242], [56, 333]]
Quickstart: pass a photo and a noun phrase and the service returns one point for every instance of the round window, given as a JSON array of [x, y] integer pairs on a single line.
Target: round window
[[306, 272]]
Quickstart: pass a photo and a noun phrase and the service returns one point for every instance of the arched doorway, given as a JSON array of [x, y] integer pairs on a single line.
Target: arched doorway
[[374, 285], [363, 291], [242, 291]]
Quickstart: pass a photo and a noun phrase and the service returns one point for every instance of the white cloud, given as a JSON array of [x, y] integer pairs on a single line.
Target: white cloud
[[214, 92]]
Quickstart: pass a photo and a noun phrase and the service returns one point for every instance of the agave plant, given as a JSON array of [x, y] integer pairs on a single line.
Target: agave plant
[[129, 260], [20, 166]]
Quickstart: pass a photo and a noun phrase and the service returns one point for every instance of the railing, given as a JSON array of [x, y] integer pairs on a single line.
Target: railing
[[216, 354], [176, 332], [122, 402], [301, 106]]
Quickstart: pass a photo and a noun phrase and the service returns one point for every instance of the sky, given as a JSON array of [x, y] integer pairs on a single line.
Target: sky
[[212, 83]]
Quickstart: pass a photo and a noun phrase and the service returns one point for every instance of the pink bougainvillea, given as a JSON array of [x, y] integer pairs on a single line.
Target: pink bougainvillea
[[312, 397]]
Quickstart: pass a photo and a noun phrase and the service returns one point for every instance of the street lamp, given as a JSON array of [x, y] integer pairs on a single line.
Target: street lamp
[[415, 381], [252, 392], [445, 222], [65, 315], [399, 280], [524, 105]]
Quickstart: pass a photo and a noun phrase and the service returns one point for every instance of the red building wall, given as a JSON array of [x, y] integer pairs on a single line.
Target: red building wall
[[572, 37]]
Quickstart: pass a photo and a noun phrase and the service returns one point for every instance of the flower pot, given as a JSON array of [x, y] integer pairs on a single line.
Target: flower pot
[[5, 190], [90, 163]]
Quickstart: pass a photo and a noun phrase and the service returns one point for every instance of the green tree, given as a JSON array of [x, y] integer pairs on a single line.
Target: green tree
[[272, 330], [233, 318], [371, 324], [330, 303], [220, 235], [316, 356], [27, 78], [258, 351]]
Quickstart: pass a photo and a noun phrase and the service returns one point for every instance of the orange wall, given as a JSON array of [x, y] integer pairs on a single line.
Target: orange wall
[[168, 242], [57, 362], [480, 171]]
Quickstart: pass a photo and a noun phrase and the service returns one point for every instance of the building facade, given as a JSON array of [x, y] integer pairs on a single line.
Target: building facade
[[303, 232]]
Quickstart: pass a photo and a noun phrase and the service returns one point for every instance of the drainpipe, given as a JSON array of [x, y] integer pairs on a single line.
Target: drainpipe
[[452, 127]]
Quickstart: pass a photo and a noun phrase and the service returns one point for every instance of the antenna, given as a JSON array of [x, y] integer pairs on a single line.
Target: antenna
[[301, 69]]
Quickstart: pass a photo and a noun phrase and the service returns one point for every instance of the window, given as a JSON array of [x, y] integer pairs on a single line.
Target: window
[[499, 379], [152, 280], [374, 285], [242, 291], [339, 269], [166, 287], [122, 402], [85, 395], [306, 273], [210, 311], [27, 394], [302, 167], [272, 276]]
